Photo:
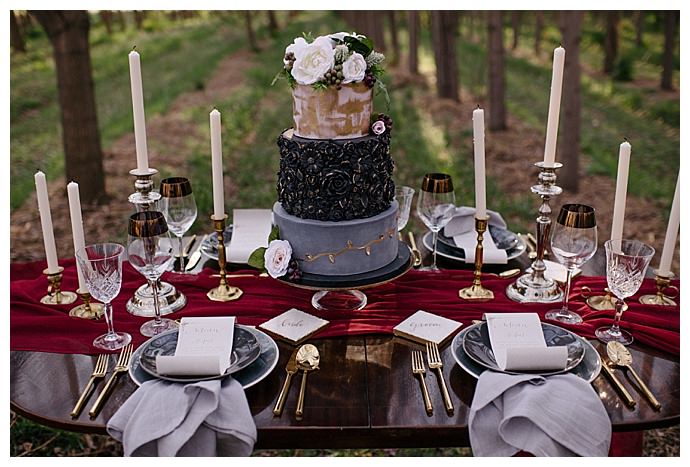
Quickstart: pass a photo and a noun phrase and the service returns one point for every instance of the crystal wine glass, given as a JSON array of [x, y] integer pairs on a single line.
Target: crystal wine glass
[[625, 269], [403, 195], [179, 208], [573, 242], [101, 266], [149, 251], [435, 206]]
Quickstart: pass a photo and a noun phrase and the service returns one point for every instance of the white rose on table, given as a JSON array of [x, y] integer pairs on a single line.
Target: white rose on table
[[296, 47], [277, 258], [354, 68], [313, 61]]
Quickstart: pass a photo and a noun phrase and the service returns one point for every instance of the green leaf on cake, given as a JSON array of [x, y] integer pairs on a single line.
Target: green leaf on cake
[[256, 259], [381, 87], [275, 234], [363, 46]]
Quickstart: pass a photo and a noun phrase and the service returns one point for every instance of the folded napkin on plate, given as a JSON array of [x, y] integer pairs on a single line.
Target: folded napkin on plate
[[250, 230], [463, 221], [558, 415], [206, 418]]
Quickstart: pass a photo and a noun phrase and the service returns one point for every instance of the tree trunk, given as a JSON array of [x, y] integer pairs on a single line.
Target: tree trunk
[[670, 22], [272, 23], [444, 27], [611, 41], [571, 28], [250, 31], [497, 105], [413, 29], [16, 37], [395, 46], [538, 31], [139, 16], [121, 20], [639, 28], [515, 22], [107, 18], [68, 32]]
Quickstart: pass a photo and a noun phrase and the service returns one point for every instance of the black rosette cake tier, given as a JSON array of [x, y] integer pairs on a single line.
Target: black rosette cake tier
[[335, 180]]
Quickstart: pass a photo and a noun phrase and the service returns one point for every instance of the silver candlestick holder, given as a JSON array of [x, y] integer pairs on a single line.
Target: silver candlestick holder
[[170, 299], [533, 286]]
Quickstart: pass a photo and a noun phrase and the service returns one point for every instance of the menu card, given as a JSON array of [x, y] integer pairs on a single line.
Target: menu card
[[426, 327], [518, 343], [250, 230], [294, 326], [204, 347]]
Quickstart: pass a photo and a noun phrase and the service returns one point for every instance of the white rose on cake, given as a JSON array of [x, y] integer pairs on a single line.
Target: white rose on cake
[[354, 68], [277, 258], [341, 35], [313, 61], [295, 48]]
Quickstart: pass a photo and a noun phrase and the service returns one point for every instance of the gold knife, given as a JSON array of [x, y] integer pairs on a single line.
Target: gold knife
[[291, 369], [196, 256], [415, 251], [627, 398]]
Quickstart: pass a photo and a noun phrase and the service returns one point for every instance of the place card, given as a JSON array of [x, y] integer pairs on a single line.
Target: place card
[[204, 347], [250, 230], [517, 341], [426, 327], [294, 326], [557, 272]]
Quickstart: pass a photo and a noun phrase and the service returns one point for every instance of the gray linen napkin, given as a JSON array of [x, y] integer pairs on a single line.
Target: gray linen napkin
[[206, 418], [559, 415], [463, 221]]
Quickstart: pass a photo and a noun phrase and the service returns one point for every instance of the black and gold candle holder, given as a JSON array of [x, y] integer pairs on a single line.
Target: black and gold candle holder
[[476, 291], [56, 296], [224, 292], [88, 309], [663, 284]]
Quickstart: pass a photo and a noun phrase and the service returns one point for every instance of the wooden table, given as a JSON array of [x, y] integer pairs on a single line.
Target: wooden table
[[363, 396]]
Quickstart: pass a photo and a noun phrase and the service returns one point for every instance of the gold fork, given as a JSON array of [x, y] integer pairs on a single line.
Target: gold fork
[[121, 367], [98, 372], [435, 363], [418, 369]]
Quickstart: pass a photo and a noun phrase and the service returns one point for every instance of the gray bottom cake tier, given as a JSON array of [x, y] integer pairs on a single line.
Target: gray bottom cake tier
[[340, 248]]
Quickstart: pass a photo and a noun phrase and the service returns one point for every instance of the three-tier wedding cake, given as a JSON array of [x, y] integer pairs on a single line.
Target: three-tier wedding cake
[[336, 203]]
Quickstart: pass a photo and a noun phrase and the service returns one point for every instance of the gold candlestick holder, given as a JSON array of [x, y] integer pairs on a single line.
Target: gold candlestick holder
[[599, 302], [224, 292], [87, 310], [56, 296], [663, 283], [476, 291]]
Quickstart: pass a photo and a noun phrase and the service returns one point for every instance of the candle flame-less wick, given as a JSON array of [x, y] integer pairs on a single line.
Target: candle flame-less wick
[[134, 47], [625, 139], [478, 106]]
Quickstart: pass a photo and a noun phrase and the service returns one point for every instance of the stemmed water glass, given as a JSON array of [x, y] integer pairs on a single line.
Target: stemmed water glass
[[435, 206], [625, 269], [179, 208], [149, 251], [573, 242], [403, 195], [101, 266]]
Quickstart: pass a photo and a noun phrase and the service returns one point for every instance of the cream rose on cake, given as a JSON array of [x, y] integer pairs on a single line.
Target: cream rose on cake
[[277, 258], [354, 68], [313, 61], [295, 48]]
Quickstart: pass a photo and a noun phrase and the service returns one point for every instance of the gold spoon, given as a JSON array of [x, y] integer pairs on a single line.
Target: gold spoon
[[620, 356], [307, 360]]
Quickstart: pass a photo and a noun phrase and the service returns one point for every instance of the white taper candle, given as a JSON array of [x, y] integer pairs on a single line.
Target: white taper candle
[[621, 195], [554, 106], [217, 166], [77, 227], [138, 110], [671, 234], [479, 163], [46, 222]]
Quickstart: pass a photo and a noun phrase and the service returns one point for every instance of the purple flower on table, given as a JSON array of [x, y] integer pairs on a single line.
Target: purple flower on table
[[378, 127], [277, 258]]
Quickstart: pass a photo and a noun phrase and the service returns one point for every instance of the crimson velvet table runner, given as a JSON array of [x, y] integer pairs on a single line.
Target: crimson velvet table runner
[[45, 328]]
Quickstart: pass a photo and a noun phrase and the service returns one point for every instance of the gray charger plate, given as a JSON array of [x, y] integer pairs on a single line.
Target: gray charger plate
[[248, 377], [588, 369], [209, 246], [245, 349], [457, 254]]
